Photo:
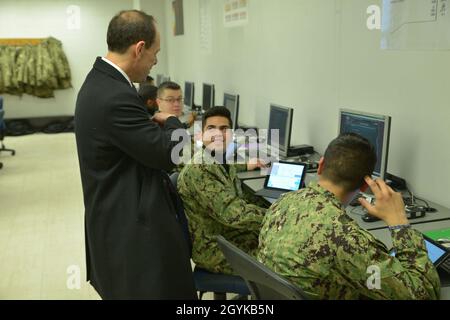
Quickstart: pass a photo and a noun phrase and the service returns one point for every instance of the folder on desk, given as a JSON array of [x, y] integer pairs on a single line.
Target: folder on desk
[[438, 234]]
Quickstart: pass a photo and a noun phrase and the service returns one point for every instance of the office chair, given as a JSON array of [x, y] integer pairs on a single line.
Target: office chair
[[2, 131], [219, 284], [264, 284]]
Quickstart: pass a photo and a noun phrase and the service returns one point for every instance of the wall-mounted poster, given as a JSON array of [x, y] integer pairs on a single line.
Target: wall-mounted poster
[[235, 13], [178, 28], [416, 25]]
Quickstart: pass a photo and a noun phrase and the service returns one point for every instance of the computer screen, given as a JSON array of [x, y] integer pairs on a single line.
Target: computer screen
[[231, 102], [159, 78], [434, 252], [286, 176], [208, 100], [189, 94], [373, 127], [281, 119], [165, 79]]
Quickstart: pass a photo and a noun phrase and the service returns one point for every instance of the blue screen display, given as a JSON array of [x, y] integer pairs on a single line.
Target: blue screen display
[[434, 252]]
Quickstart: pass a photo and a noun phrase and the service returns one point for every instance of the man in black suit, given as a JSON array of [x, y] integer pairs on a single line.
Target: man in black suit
[[135, 244]]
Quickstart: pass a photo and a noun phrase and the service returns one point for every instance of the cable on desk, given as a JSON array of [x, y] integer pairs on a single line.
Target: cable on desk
[[359, 214], [413, 201]]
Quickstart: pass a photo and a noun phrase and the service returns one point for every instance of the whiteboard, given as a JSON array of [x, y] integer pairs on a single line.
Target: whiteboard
[[416, 25]]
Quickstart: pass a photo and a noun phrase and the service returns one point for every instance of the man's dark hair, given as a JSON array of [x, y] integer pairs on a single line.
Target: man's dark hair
[[217, 112], [149, 79], [167, 85], [147, 91], [348, 159], [129, 27]]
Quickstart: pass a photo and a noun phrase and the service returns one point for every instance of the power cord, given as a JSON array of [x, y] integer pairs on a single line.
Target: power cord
[[412, 201]]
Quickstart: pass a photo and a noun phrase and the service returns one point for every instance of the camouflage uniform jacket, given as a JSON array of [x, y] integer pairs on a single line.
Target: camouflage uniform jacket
[[308, 238], [216, 204]]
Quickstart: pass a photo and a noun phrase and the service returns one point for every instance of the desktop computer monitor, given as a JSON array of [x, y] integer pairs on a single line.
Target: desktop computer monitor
[[159, 79], [208, 100], [280, 118], [231, 102], [373, 127], [189, 94], [165, 79]]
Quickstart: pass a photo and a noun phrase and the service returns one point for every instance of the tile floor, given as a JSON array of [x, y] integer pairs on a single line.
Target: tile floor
[[41, 219]]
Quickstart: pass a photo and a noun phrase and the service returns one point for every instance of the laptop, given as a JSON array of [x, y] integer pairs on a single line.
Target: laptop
[[284, 177]]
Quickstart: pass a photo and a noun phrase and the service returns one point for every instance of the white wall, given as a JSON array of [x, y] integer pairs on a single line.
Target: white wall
[[40, 19], [412, 87], [156, 8], [318, 56]]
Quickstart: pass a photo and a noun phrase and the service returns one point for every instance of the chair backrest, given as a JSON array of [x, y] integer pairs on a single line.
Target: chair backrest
[[174, 179], [2, 121], [180, 211], [264, 284]]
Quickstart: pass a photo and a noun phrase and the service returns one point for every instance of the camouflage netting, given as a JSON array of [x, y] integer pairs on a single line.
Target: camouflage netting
[[37, 70]]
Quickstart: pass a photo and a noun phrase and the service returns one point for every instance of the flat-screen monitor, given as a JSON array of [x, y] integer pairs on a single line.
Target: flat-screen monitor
[[165, 79], [375, 128], [159, 78], [280, 119], [189, 94], [231, 102], [208, 100]]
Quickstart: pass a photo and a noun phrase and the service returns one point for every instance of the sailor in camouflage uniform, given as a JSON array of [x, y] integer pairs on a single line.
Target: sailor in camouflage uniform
[[308, 238], [214, 201]]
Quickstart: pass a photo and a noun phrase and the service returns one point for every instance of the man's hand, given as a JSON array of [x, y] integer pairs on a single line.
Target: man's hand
[[389, 205], [256, 163], [161, 117]]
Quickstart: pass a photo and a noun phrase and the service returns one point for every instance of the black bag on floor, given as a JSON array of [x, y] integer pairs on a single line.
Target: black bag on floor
[[58, 127], [18, 128]]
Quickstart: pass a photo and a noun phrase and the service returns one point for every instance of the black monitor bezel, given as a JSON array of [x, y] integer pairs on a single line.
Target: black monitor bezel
[[236, 98], [442, 258], [305, 171], [213, 96], [159, 78], [192, 93], [386, 136], [283, 149]]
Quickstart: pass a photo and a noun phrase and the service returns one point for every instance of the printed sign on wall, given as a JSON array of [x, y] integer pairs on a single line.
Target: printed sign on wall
[[235, 13]]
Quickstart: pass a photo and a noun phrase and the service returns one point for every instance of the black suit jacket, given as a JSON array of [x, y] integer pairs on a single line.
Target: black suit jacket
[[135, 246]]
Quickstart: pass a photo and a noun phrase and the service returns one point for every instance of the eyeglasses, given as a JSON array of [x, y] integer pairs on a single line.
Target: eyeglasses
[[172, 100]]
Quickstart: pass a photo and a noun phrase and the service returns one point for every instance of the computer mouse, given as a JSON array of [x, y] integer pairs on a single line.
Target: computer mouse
[[354, 203], [369, 218]]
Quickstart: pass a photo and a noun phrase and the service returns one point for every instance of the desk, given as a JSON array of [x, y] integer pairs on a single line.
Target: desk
[[432, 221], [385, 236], [442, 213]]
